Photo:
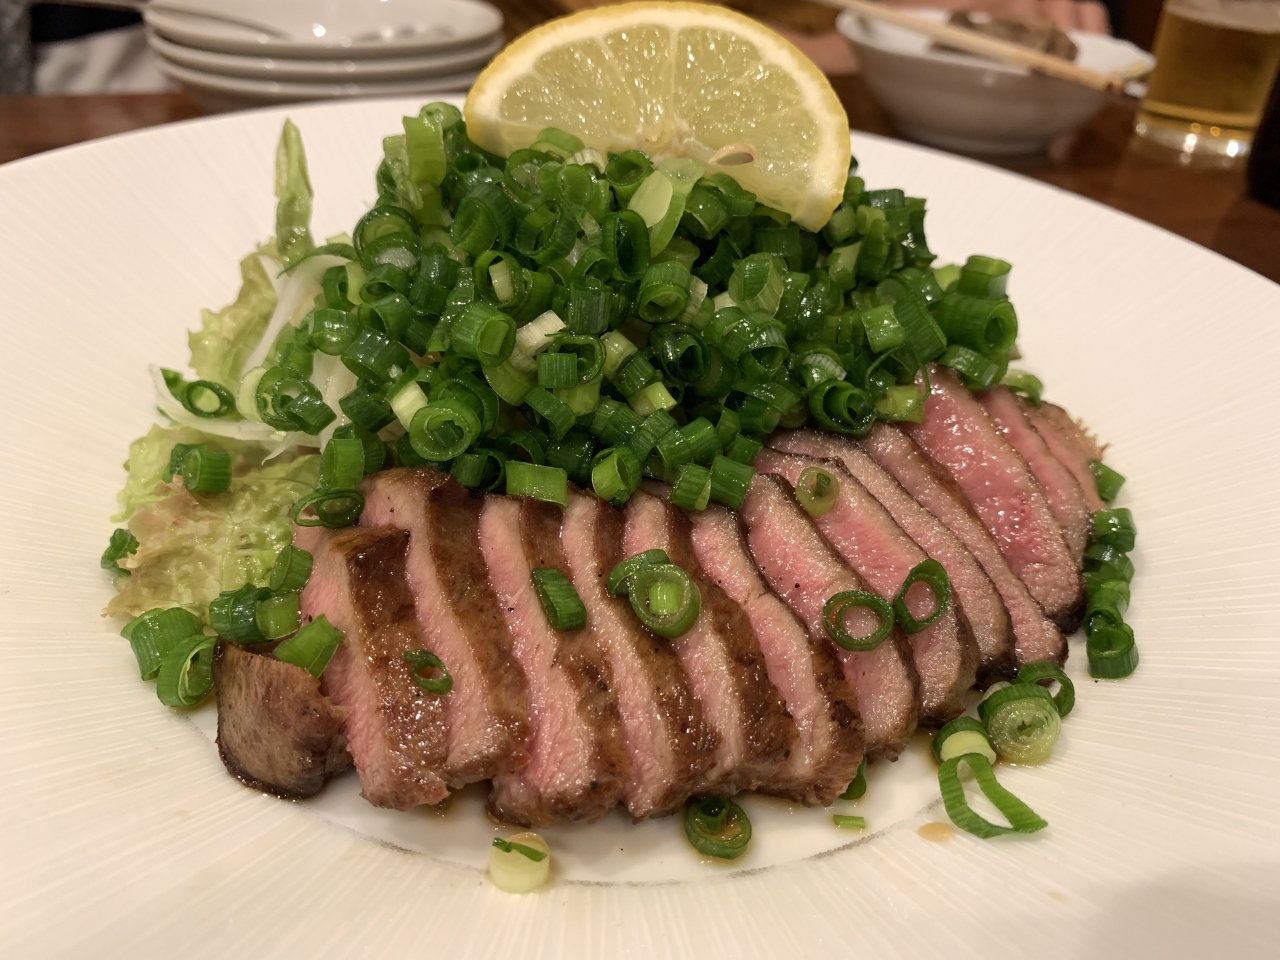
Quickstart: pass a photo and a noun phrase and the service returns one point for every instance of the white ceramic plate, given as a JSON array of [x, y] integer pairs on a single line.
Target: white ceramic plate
[[337, 70], [124, 837], [217, 92], [324, 28]]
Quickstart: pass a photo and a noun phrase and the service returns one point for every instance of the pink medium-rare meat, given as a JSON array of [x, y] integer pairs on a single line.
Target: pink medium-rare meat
[[721, 657], [957, 434], [972, 592], [577, 766], [805, 571], [395, 729], [818, 695], [1072, 446], [1035, 637], [882, 554], [276, 730], [1061, 488], [486, 712], [667, 741]]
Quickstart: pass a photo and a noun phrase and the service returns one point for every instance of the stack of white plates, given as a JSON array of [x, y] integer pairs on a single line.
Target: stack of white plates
[[230, 54]]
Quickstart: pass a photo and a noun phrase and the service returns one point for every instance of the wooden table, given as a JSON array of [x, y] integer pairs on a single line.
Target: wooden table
[[1101, 162]]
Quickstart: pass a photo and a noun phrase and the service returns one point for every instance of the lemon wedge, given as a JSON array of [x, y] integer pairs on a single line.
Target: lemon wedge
[[675, 80]]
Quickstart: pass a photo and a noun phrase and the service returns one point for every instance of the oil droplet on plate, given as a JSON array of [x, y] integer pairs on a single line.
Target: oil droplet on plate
[[937, 832]]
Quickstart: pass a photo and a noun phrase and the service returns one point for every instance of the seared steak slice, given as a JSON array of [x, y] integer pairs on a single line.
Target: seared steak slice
[[972, 592], [669, 745], [882, 554], [577, 765], [1035, 638], [276, 730], [721, 656], [1065, 497], [819, 697], [958, 435], [486, 712], [805, 571], [1072, 446], [395, 729]]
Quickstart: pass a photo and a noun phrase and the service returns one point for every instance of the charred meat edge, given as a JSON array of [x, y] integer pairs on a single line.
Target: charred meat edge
[[882, 554], [972, 592], [1000, 488], [395, 729], [1071, 444], [577, 765], [806, 571], [669, 744], [818, 695], [276, 730], [486, 712]]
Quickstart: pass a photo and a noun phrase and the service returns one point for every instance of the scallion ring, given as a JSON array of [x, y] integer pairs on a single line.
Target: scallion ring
[[154, 633], [208, 399], [818, 490], [931, 573], [186, 672], [1042, 670], [717, 827], [665, 599], [833, 614], [329, 508], [421, 665], [312, 647], [620, 575], [560, 601], [1112, 652], [1023, 722], [963, 735], [1022, 819]]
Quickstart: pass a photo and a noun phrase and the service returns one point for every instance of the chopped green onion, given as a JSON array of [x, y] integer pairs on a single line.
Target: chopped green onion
[[154, 633], [422, 664], [1115, 528], [931, 573], [122, 544], [375, 358], [615, 474], [557, 416], [858, 785], [1107, 563], [757, 283], [904, 402], [233, 614], [1046, 670], [1022, 819], [366, 410], [186, 672], [1112, 652], [484, 333], [277, 616], [963, 735], [665, 599], [852, 823], [205, 470], [1024, 384], [652, 398], [292, 569], [1107, 481], [743, 450], [617, 351], [664, 292], [312, 647], [838, 606], [984, 277], [1023, 722], [207, 398], [975, 370], [882, 327], [730, 480], [329, 508], [507, 846], [560, 602], [444, 428], [818, 491], [342, 464], [557, 370], [692, 489], [620, 575], [841, 407], [984, 326], [539, 482], [717, 827]]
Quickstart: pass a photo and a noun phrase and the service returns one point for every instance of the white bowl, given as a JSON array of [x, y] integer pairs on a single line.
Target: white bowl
[[325, 28], [960, 102], [382, 69], [217, 93]]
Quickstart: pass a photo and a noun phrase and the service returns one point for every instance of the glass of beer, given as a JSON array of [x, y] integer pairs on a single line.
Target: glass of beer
[[1215, 63]]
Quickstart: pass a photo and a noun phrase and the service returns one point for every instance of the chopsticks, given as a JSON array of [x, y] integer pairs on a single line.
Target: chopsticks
[[985, 46]]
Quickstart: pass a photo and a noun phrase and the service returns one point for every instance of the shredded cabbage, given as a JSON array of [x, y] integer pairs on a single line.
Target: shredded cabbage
[[226, 338]]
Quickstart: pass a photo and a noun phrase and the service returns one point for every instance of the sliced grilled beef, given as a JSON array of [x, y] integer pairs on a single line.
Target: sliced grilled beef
[[1071, 444], [486, 711], [669, 745], [1063, 492], [957, 434], [881, 553], [805, 571], [395, 729], [973, 594], [819, 697], [1035, 638], [721, 656], [276, 730], [577, 765]]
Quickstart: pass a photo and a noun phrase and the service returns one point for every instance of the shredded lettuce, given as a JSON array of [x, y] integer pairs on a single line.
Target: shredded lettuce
[[227, 338], [191, 548], [293, 191]]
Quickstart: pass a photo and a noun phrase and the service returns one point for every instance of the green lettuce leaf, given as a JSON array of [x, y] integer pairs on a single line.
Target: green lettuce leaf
[[191, 548], [293, 191], [226, 338]]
